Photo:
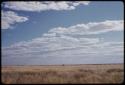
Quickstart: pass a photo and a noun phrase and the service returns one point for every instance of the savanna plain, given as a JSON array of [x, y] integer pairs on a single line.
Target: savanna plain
[[63, 74]]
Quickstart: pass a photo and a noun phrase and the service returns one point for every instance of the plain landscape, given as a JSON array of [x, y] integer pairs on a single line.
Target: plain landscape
[[63, 74], [62, 42]]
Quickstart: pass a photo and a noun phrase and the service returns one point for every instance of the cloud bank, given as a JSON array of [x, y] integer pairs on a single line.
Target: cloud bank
[[62, 44]]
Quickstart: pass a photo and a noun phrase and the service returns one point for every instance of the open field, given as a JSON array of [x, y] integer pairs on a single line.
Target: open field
[[52, 74]]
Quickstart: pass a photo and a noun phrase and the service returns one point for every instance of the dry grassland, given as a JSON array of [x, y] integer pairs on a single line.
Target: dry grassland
[[63, 74]]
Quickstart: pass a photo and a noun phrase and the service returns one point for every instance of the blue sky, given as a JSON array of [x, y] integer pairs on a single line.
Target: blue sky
[[73, 25]]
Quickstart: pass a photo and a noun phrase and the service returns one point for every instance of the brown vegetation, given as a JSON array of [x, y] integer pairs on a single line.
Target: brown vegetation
[[63, 74]]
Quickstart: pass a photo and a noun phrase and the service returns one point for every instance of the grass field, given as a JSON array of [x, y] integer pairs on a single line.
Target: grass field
[[71, 74]]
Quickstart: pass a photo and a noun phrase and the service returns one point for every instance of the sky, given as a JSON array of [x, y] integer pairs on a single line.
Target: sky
[[63, 32]]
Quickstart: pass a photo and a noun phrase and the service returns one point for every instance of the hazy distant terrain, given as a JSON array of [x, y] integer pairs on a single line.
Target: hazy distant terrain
[[46, 74]]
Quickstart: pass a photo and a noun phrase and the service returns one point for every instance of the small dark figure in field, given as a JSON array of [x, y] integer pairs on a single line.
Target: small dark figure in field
[[62, 64]]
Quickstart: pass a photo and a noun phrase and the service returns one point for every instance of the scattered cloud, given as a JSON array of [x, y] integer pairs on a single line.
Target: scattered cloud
[[9, 18], [60, 43], [43, 5]]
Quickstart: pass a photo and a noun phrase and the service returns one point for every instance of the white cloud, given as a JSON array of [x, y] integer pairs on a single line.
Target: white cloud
[[81, 2], [91, 28], [43, 5], [59, 43], [9, 18], [49, 35]]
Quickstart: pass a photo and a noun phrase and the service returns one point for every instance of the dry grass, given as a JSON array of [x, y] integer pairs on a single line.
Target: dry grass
[[67, 74]]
